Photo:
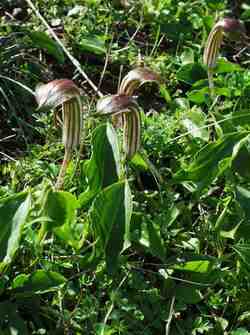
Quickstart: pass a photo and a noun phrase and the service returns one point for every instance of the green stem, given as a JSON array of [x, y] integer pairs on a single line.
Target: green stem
[[66, 160], [211, 83]]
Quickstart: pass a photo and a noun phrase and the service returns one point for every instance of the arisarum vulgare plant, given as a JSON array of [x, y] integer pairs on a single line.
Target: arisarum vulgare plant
[[124, 103], [64, 93], [233, 29]]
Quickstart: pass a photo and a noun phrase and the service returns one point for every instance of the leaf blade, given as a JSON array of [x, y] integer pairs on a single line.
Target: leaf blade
[[110, 216]]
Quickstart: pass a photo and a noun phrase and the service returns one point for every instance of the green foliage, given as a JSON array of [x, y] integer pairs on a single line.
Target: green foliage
[[37, 282], [43, 41], [14, 211], [103, 168], [156, 245], [214, 157], [110, 216], [59, 209]]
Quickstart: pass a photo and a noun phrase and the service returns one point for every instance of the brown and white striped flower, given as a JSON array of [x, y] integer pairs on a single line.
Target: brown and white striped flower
[[233, 29], [124, 104], [63, 93]]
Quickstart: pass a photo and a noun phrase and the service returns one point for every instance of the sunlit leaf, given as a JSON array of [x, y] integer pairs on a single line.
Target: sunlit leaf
[[139, 162], [104, 329], [230, 233], [187, 57], [224, 66], [201, 266], [60, 208]]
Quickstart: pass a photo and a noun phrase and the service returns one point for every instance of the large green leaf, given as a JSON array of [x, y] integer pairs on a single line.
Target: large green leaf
[[213, 159], [38, 282], [43, 41], [10, 322], [14, 211], [224, 66], [110, 216], [60, 210], [200, 92], [103, 168]]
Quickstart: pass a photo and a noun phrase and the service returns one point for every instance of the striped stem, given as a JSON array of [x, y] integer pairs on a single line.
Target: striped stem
[[131, 132]]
